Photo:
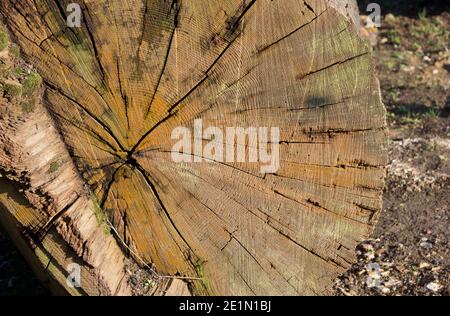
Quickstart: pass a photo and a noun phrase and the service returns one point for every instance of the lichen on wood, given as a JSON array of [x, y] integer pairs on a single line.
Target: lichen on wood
[[116, 88]]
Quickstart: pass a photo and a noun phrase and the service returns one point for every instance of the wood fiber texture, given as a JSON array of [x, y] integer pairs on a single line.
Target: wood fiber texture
[[136, 69]]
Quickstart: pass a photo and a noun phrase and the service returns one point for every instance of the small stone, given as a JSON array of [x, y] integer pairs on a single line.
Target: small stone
[[390, 17], [385, 290], [426, 245], [367, 247], [347, 293], [369, 251], [433, 286], [380, 251], [423, 265], [435, 269], [392, 282], [409, 68], [370, 255]]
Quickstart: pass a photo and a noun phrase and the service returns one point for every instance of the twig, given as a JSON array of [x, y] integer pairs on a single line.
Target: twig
[[144, 263]]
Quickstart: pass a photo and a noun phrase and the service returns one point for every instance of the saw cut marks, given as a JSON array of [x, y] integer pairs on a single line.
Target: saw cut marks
[[137, 69]]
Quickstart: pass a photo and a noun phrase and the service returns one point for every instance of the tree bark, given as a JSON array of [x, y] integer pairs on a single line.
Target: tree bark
[[116, 88]]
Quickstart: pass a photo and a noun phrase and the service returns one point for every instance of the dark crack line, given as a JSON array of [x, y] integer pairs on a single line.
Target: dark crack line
[[269, 217], [232, 233], [101, 167], [62, 32], [144, 26], [233, 23], [100, 122], [19, 11], [308, 6], [158, 198], [332, 65], [341, 166], [152, 186], [109, 185], [334, 186], [251, 212], [259, 51], [205, 158], [89, 131], [93, 42], [166, 58], [171, 114], [122, 93], [43, 231], [171, 111], [318, 205], [53, 87]]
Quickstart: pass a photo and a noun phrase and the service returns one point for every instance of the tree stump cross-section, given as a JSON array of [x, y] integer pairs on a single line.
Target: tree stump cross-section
[[135, 70]]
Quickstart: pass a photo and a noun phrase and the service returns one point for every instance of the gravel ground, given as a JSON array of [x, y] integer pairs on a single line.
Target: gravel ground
[[409, 253]]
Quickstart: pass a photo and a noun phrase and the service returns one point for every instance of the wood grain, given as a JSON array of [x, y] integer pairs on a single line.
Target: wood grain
[[137, 69]]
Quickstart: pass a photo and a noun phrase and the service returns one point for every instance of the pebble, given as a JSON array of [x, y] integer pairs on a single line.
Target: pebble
[[433, 286], [423, 265], [392, 282], [426, 245], [370, 255], [389, 17]]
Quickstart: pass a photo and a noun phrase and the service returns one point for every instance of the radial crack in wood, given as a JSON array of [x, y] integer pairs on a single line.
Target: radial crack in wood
[[118, 86]]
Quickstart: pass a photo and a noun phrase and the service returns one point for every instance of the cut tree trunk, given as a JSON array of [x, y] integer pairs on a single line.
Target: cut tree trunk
[[116, 88]]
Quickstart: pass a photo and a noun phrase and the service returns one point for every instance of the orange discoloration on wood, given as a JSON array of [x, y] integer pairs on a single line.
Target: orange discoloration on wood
[[135, 70]]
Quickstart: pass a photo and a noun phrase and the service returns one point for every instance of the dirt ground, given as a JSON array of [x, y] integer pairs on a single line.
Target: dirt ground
[[408, 253]]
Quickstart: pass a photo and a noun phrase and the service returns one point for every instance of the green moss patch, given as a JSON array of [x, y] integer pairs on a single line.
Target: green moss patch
[[100, 215], [4, 40], [54, 166], [14, 50], [19, 71], [28, 106], [12, 89], [200, 270], [31, 83]]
